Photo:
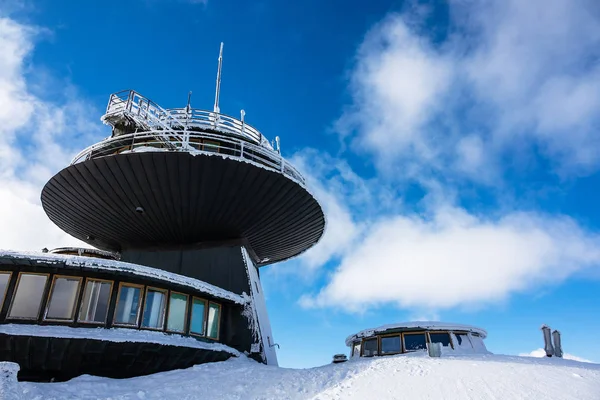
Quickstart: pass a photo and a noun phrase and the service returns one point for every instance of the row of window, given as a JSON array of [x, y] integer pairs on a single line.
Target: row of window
[[137, 306], [406, 342]]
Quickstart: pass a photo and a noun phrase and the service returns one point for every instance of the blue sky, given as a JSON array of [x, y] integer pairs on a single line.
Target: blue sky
[[453, 145]]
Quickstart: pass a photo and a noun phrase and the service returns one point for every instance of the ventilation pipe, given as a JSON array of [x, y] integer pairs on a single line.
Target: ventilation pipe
[[557, 345], [547, 340]]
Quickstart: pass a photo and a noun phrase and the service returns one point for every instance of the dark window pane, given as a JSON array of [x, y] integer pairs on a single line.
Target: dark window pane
[[414, 341], [62, 298], [4, 278], [370, 347], [28, 297], [198, 309], [213, 320], [442, 337], [154, 310], [177, 312], [463, 340], [356, 349], [94, 305], [128, 306], [390, 344]]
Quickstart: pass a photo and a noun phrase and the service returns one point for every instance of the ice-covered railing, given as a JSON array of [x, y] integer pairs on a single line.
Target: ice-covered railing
[[151, 116], [193, 143]]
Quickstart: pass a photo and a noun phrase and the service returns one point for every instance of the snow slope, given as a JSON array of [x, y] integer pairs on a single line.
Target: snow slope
[[395, 377]]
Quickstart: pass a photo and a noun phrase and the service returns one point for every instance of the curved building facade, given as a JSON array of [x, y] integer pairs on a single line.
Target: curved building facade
[[407, 337], [182, 207]]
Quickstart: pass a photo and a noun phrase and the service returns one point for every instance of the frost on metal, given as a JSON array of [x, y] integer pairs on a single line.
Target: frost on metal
[[58, 260], [260, 319]]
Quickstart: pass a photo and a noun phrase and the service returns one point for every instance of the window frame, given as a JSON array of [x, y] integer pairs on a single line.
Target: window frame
[[218, 321], [398, 334], [164, 311], [185, 315], [353, 346], [462, 333], [362, 346], [139, 311], [435, 332], [205, 322], [112, 285], [424, 333], [3, 298], [75, 303], [12, 300]]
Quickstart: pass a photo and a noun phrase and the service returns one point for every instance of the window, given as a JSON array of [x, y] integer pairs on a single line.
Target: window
[[440, 337], [462, 339], [214, 317], [197, 325], [210, 145], [4, 279], [414, 341], [63, 297], [390, 345], [27, 300], [96, 298], [154, 310], [177, 312], [128, 304], [369, 347], [356, 349]]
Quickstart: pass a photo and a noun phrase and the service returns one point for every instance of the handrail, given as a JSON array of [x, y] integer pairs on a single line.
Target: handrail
[[193, 143], [150, 116]]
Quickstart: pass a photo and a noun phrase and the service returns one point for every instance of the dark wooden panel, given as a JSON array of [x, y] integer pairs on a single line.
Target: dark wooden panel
[[61, 359]]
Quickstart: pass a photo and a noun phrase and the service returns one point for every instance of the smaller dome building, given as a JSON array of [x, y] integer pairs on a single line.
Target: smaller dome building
[[406, 337]]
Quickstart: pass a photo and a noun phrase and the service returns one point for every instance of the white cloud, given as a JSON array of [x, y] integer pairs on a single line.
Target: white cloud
[[540, 353], [455, 259], [37, 138], [512, 75]]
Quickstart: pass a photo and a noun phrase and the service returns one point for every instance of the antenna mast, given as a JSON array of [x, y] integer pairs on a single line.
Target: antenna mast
[[218, 90]]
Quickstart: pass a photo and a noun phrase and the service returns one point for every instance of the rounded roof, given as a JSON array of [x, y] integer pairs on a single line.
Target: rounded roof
[[158, 199], [415, 325], [51, 260]]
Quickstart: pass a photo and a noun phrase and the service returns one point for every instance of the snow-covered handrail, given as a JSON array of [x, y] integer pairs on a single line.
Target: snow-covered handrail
[[150, 115], [193, 143]]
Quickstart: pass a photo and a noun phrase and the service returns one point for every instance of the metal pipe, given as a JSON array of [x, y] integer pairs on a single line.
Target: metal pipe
[[218, 89], [547, 340], [557, 344]]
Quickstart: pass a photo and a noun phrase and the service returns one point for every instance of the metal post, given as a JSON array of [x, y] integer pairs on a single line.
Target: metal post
[[557, 344], [218, 89], [547, 340], [243, 114]]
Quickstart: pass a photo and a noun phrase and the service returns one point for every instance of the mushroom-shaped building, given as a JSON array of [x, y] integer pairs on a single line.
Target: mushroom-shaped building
[[406, 337], [183, 207]]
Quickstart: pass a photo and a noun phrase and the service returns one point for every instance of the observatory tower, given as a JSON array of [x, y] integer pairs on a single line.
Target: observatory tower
[[183, 206]]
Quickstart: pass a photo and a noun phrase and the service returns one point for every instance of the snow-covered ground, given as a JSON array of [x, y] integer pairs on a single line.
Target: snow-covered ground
[[395, 377]]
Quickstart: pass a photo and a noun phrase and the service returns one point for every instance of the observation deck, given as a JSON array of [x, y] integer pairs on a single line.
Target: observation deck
[[183, 177]]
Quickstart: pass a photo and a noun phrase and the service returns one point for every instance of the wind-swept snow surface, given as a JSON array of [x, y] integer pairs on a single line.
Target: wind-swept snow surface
[[396, 377]]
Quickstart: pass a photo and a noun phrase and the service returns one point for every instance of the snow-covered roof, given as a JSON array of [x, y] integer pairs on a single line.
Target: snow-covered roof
[[113, 335], [426, 325], [62, 260]]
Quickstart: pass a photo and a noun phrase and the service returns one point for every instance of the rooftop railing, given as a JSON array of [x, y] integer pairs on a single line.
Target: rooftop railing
[[150, 116], [193, 143]]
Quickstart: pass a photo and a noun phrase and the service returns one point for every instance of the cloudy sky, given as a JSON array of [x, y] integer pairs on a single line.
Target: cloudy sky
[[454, 146]]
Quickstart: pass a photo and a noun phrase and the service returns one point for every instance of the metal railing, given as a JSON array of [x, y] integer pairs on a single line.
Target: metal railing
[[150, 116], [193, 143]]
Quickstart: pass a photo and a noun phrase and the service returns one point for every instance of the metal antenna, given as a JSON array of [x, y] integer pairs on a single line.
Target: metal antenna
[[216, 109]]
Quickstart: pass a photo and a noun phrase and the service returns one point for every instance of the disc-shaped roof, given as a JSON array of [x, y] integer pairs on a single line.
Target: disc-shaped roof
[[162, 199]]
